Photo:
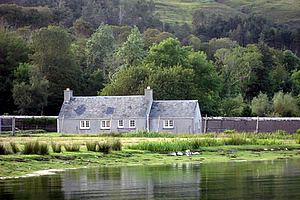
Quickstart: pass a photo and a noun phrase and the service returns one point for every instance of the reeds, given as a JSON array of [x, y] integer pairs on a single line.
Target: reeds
[[56, 147], [104, 147], [72, 147], [36, 148], [14, 147], [92, 146]]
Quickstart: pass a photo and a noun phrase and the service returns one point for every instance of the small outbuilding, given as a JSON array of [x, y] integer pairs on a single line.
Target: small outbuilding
[[113, 114]]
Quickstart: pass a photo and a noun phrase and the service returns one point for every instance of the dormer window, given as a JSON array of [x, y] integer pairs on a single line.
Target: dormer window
[[121, 123], [105, 124], [168, 124], [84, 124], [131, 123]]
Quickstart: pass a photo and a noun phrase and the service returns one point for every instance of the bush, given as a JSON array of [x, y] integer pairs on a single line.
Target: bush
[[56, 147], [104, 147], [91, 146], [14, 147], [72, 147], [36, 148], [116, 145]]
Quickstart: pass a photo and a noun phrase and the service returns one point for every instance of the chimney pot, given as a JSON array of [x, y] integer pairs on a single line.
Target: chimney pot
[[68, 94]]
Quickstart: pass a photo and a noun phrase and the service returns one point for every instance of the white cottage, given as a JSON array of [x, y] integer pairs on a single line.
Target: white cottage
[[112, 114]]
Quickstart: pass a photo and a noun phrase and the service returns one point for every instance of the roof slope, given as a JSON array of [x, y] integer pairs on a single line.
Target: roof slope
[[180, 108], [104, 107]]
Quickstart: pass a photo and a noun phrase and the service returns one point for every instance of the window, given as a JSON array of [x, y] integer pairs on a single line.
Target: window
[[168, 124], [121, 123], [105, 124], [84, 124], [131, 123]]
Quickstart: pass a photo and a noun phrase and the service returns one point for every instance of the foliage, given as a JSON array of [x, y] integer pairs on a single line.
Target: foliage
[[116, 145], [54, 61], [232, 106], [14, 51], [285, 105], [132, 51], [260, 105]]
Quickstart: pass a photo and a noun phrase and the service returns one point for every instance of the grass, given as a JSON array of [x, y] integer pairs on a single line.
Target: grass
[[181, 11], [56, 147], [91, 146], [72, 147], [36, 148]]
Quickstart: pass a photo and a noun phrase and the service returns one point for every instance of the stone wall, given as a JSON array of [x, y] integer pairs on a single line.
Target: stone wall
[[251, 124]]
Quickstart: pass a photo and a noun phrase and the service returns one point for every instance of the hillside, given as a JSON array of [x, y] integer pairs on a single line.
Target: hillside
[[180, 11]]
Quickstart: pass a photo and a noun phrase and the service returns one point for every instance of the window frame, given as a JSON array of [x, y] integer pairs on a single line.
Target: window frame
[[121, 126], [105, 127], [129, 123], [85, 124], [167, 122]]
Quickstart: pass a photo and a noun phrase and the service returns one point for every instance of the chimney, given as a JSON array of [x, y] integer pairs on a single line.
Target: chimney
[[149, 94], [68, 94]]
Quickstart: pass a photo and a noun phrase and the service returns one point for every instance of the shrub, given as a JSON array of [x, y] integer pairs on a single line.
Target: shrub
[[14, 147], [56, 147], [36, 148], [72, 147], [116, 145], [104, 147], [91, 146]]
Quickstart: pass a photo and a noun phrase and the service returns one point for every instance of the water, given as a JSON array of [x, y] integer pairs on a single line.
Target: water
[[235, 180]]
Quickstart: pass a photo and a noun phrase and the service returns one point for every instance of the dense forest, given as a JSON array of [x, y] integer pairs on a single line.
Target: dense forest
[[234, 62]]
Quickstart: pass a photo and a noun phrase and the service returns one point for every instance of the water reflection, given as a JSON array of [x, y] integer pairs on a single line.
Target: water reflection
[[246, 180]]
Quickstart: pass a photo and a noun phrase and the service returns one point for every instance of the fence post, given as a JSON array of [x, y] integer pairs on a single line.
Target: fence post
[[257, 125], [205, 124], [13, 126]]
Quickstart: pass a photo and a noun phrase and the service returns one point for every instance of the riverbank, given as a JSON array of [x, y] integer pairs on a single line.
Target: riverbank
[[211, 149]]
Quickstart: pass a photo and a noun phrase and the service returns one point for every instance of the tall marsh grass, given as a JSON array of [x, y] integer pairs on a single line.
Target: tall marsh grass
[[4, 149], [56, 147], [72, 147], [14, 147], [36, 148], [92, 146]]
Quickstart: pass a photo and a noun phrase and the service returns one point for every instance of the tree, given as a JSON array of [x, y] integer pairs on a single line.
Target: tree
[[132, 51], [30, 90], [98, 47], [13, 51], [238, 67], [232, 106], [167, 53], [193, 41], [260, 105], [128, 81], [220, 43], [54, 61], [172, 83], [285, 105], [207, 82], [155, 36]]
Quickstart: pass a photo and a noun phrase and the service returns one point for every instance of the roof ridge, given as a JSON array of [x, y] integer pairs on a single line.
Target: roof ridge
[[107, 96]]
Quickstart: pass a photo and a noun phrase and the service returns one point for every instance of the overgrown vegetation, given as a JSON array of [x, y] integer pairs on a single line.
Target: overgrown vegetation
[[36, 148], [56, 147], [72, 147]]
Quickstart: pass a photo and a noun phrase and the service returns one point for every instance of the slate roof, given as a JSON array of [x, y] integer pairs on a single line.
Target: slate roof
[[169, 108], [104, 107]]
